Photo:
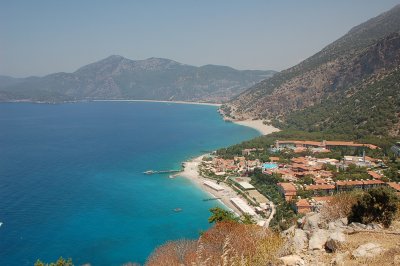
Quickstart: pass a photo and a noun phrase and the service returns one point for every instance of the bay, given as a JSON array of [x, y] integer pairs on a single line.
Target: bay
[[72, 182]]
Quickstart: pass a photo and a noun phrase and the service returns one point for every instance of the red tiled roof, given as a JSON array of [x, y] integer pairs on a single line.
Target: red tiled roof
[[375, 175], [303, 203], [288, 187], [322, 199], [349, 183], [301, 142], [320, 187], [302, 160], [394, 185], [328, 143], [274, 159], [373, 182]]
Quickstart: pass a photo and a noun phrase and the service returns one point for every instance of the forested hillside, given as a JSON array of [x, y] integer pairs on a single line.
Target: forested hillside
[[350, 85]]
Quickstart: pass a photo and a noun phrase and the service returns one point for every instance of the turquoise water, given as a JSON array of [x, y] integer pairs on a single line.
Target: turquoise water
[[269, 166], [71, 181]]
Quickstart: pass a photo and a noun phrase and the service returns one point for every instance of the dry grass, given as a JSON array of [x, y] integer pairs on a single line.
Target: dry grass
[[227, 243], [339, 206]]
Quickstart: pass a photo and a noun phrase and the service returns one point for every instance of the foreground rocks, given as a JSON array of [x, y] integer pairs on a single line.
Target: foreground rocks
[[368, 250], [335, 241], [312, 241]]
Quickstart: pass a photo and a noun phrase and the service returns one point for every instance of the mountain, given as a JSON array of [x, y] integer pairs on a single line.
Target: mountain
[[116, 77], [314, 94]]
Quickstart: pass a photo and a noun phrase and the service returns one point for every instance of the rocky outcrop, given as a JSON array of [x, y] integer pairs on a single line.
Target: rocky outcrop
[[312, 241], [368, 250], [292, 260], [318, 239], [335, 241]]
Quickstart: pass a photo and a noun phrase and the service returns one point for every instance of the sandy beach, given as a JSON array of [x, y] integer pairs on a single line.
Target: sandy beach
[[257, 125], [191, 172], [155, 101]]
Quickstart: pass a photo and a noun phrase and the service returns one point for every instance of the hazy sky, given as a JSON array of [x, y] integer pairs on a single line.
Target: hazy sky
[[42, 37]]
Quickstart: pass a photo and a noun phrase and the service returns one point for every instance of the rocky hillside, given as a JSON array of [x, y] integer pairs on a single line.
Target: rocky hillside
[[367, 54], [117, 77]]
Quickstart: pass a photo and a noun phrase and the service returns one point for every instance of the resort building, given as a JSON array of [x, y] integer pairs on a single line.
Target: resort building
[[243, 206], [395, 186], [246, 185], [303, 206], [288, 190], [318, 146], [368, 184], [213, 185], [321, 189], [348, 185]]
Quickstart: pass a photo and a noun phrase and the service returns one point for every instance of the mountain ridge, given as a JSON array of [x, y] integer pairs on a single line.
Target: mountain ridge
[[370, 49], [117, 77]]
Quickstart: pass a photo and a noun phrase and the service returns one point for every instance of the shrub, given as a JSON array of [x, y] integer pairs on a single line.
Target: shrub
[[180, 252], [226, 243], [59, 262], [221, 215], [339, 206], [376, 205]]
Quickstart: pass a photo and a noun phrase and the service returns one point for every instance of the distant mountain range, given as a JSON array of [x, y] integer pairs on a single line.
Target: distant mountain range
[[352, 85], [116, 77]]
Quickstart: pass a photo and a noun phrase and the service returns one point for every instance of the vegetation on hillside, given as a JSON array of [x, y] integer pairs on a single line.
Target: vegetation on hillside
[[226, 243], [371, 109], [377, 205], [117, 77]]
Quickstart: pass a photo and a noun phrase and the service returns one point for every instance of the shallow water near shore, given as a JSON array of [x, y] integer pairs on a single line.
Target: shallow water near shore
[[71, 181]]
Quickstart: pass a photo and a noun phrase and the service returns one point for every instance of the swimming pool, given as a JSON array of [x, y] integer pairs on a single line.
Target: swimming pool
[[269, 166]]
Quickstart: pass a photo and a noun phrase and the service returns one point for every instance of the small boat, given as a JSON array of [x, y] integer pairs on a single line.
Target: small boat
[[149, 172], [1, 224], [177, 210]]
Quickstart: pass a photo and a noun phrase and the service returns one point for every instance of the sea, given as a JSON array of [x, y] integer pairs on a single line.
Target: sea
[[72, 182]]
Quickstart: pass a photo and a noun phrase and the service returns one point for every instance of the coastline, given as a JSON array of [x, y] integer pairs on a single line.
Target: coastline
[[257, 125], [159, 101], [122, 100], [191, 172]]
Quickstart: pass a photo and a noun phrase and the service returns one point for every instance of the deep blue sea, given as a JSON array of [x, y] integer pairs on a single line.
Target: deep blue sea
[[71, 181]]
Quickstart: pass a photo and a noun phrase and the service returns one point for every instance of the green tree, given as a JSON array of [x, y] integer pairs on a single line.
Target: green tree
[[60, 262], [221, 215], [247, 219], [376, 205]]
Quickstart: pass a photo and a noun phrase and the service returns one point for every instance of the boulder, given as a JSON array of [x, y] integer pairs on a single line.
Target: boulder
[[292, 260], [300, 222], [338, 260], [374, 226], [299, 240], [288, 232], [358, 226], [312, 222], [368, 250], [318, 239], [335, 241], [344, 221]]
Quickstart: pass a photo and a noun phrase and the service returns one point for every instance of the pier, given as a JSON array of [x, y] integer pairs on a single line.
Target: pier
[[151, 172], [211, 199]]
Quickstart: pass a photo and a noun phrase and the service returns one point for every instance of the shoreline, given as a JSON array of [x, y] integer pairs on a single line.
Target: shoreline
[[191, 170], [258, 125], [160, 101], [121, 100], [191, 173]]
